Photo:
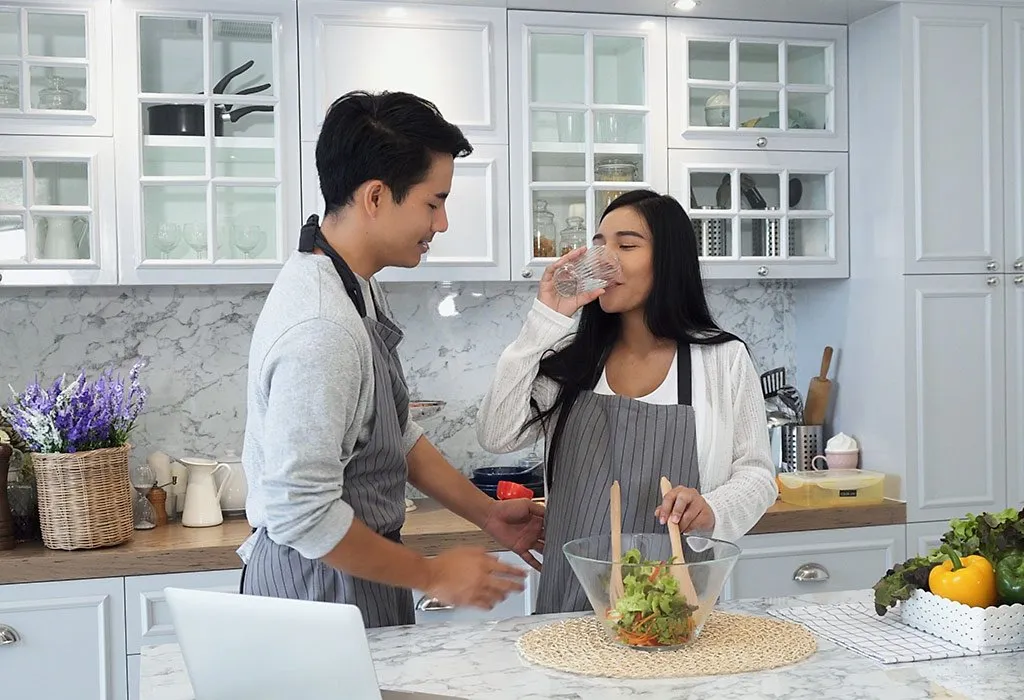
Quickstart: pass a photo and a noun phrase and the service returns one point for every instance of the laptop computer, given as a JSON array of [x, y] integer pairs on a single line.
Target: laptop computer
[[256, 647]]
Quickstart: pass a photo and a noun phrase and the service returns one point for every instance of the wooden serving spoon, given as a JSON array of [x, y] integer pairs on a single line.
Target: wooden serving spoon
[[679, 572], [616, 587]]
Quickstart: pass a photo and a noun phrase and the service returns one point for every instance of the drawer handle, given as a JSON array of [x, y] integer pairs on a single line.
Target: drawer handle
[[8, 635], [426, 604], [811, 572]]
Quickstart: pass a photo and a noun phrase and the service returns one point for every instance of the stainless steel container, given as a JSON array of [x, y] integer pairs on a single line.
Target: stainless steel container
[[711, 241], [800, 445]]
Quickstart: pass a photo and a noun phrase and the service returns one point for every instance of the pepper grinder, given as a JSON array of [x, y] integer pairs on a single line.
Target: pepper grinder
[[6, 519]]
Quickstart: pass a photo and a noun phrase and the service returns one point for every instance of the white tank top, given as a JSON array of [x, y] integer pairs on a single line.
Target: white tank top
[[667, 393]]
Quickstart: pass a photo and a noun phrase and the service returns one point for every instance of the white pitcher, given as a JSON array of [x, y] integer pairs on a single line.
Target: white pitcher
[[202, 497], [63, 237], [232, 484]]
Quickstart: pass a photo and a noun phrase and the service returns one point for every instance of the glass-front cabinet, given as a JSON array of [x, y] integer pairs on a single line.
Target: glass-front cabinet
[[208, 179], [55, 67], [57, 211], [730, 83], [777, 215], [588, 122]]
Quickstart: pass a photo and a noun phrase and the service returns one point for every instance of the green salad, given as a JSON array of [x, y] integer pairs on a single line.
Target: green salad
[[652, 613]]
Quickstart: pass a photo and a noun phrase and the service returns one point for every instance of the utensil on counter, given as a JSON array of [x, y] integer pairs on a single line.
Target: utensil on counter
[[818, 392], [772, 381], [616, 589], [791, 399], [679, 573], [422, 410]]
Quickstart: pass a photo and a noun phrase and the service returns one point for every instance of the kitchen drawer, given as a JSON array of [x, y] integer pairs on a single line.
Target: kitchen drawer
[[69, 640], [796, 563], [149, 618], [517, 605]]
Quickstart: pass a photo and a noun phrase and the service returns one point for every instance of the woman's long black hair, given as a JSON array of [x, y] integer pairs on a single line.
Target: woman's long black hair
[[676, 309]]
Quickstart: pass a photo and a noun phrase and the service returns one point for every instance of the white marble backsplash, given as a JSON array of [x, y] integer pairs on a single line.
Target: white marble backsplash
[[196, 342]]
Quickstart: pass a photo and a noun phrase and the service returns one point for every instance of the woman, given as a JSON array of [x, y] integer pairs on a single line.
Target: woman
[[647, 385]]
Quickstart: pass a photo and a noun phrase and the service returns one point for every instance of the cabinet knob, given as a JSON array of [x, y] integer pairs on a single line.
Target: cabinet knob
[[1018, 264], [527, 273], [761, 142], [426, 604], [811, 572], [992, 266], [1, 277], [1018, 280], [8, 635], [762, 271], [992, 281]]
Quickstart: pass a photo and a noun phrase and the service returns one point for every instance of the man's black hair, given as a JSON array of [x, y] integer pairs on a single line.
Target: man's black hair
[[387, 136]]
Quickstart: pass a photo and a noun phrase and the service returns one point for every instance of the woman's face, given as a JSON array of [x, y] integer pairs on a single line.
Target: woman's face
[[626, 234]]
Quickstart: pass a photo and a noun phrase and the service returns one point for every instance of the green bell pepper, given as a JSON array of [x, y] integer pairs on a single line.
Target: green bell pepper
[[1010, 578]]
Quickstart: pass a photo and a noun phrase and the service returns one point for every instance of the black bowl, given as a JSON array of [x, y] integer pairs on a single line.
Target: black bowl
[[490, 476]]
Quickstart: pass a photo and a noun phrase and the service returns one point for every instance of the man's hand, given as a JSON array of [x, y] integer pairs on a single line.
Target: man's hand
[[519, 525], [469, 576]]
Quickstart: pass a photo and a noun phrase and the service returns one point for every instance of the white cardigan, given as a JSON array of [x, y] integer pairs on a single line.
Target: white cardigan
[[737, 475]]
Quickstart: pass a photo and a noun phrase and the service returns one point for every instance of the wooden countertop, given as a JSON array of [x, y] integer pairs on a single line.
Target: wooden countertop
[[429, 529]]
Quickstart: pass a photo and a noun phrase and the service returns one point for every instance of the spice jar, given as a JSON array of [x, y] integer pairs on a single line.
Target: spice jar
[[56, 96], [543, 230], [573, 236], [9, 97]]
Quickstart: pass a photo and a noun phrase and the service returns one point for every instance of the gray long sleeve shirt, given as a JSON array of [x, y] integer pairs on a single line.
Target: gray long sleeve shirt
[[310, 406]]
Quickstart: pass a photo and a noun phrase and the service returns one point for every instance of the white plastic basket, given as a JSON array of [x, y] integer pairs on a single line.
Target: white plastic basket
[[994, 629]]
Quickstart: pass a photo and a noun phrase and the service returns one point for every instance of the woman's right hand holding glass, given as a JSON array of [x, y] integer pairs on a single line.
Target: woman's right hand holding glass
[[547, 295]]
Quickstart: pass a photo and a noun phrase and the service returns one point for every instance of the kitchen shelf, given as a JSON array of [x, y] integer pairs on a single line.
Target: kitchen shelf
[[611, 149]]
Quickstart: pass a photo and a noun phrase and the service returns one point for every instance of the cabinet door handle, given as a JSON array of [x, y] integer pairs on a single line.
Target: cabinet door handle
[[1018, 280], [527, 273], [8, 635], [992, 266], [1018, 264], [810, 573], [762, 271], [426, 604], [992, 281]]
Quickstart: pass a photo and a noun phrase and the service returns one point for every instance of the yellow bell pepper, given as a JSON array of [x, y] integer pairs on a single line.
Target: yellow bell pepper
[[969, 580]]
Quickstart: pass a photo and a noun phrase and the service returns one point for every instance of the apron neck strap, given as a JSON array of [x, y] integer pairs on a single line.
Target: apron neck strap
[[684, 374], [312, 238]]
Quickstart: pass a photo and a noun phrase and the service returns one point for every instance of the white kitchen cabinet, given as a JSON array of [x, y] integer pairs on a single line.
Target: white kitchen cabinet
[[588, 122], [454, 56], [207, 173], [924, 538], [57, 211], [817, 561], [728, 82], [68, 640], [1015, 392], [55, 67], [766, 214], [429, 610], [1013, 117]]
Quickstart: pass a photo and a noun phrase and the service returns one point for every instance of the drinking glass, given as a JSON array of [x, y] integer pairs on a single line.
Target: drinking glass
[[595, 269]]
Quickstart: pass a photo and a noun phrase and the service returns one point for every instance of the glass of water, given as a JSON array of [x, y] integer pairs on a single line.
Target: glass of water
[[595, 269]]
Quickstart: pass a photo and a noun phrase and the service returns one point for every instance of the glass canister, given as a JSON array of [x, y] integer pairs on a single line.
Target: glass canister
[[573, 236], [543, 230], [56, 96], [9, 98], [616, 171]]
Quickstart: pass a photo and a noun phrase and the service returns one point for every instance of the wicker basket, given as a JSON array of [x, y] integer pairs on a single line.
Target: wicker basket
[[85, 498]]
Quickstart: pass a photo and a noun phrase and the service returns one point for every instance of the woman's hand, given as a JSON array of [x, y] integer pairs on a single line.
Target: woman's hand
[[567, 306], [687, 508]]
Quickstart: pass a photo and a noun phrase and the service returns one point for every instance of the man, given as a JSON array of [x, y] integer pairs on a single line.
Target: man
[[328, 443]]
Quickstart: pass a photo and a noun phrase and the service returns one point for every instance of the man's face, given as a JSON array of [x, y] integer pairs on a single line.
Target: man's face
[[402, 232]]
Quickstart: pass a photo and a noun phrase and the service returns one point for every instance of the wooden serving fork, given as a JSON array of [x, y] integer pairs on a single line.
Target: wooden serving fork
[[615, 586], [680, 573]]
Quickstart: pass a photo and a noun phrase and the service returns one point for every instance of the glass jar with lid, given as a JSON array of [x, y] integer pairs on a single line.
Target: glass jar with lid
[[543, 230], [57, 96], [573, 236], [9, 98], [616, 171]]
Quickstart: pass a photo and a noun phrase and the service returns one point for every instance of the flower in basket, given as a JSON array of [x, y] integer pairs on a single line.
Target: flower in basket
[[79, 415]]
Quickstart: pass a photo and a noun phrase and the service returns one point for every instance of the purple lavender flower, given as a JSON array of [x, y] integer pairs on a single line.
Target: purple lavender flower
[[77, 416]]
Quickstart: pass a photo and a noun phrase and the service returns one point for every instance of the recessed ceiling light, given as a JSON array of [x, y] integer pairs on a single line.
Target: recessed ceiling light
[[685, 5]]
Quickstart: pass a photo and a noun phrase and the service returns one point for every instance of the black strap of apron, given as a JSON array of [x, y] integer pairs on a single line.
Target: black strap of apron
[[310, 238], [684, 375]]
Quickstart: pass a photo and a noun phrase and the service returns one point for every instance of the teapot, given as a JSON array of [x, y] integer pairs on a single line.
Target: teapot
[[63, 237], [233, 485], [202, 496]]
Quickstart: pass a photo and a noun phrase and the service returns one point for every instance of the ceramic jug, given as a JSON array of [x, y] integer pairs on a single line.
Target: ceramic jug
[[63, 237], [202, 497], [232, 485]]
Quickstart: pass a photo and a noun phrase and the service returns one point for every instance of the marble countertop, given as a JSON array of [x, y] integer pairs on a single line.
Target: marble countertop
[[480, 661], [430, 529]]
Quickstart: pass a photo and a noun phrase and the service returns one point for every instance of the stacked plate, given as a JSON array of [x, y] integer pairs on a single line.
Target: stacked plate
[[528, 472]]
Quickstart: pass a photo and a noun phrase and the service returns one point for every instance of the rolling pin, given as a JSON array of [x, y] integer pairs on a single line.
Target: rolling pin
[[818, 392]]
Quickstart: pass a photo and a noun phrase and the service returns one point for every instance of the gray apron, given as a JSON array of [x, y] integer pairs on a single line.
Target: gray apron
[[374, 487], [608, 438]]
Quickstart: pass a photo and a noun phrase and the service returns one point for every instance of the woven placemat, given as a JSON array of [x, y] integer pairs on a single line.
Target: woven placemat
[[729, 644]]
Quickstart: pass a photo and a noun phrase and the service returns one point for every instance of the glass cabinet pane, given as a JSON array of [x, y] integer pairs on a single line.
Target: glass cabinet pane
[[58, 87], [759, 191], [758, 62], [246, 222], [761, 236], [61, 183], [710, 107], [809, 192], [564, 127], [809, 110], [759, 109], [619, 127], [810, 237], [559, 167], [557, 68], [247, 148], [554, 221], [57, 35], [709, 60], [614, 169], [710, 190], [12, 184], [166, 209], [13, 241], [171, 55], [10, 91], [10, 31], [235, 43], [62, 237], [806, 65], [618, 70], [713, 233]]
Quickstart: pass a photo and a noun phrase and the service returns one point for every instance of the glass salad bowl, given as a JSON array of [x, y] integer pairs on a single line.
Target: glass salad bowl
[[660, 605]]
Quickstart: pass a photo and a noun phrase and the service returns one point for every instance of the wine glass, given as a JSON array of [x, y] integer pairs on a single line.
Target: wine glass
[[167, 238], [247, 239], [195, 238]]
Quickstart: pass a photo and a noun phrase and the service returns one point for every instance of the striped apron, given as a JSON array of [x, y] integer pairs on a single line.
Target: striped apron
[[608, 438], [375, 481]]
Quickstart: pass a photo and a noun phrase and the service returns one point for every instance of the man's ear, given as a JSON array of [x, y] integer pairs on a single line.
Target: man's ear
[[373, 196]]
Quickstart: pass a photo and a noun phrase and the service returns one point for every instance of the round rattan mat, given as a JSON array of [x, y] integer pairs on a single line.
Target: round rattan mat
[[729, 644]]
